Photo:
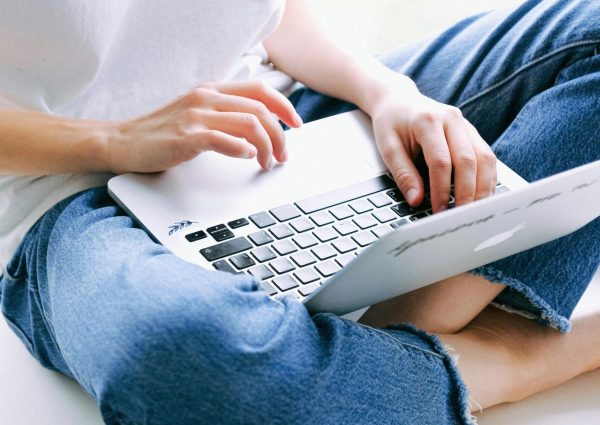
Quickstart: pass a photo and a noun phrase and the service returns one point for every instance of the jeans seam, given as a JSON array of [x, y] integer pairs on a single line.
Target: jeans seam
[[403, 344], [528, 65]]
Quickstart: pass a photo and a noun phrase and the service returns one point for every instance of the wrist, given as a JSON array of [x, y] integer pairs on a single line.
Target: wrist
[[381, 84], [107, 137]]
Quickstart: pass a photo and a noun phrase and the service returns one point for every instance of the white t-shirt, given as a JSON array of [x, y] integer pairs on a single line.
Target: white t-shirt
[[113, 60]]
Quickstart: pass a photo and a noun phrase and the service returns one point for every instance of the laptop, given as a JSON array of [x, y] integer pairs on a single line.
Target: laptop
[[330, 228]]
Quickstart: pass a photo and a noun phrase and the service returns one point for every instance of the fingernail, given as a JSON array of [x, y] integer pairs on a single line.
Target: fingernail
[[251, 152], [284, 156], [298, 120], [270, 163], [411, 195], [442, 207]]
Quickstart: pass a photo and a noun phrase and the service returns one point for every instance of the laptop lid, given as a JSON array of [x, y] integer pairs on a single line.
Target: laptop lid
[[446, 244]]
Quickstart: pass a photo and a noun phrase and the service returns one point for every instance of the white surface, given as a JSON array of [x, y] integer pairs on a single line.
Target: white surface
[[31, 395]]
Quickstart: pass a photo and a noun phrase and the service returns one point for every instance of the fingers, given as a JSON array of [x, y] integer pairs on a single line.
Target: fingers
[[275, 102], [462, 154], [230, 103], [437, 155], [452, 143], [486, 164], [216, 141], [400, 164], [244, 125]]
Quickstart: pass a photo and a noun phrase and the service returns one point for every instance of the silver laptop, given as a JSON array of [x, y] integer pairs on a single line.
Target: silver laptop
[[330, 228]]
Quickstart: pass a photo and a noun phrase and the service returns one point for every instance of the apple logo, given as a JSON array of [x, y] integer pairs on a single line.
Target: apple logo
[[499, 238]]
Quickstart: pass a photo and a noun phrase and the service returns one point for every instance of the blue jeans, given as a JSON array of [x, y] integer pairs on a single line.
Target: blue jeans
[[156, 340]]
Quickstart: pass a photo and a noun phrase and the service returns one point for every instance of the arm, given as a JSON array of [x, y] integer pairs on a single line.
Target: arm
[[235, 119], [405, 122]]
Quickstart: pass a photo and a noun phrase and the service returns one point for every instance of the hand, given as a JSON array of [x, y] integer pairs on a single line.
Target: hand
[[237, 119], [407, 123]]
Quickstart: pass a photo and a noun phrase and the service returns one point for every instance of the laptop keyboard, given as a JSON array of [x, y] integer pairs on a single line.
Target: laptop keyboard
[[295, 248]]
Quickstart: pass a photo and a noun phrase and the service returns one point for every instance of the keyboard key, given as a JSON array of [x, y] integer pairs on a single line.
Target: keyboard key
[[323, 252], [341, 212], [328, 268], [403, 209], [282, 265], [268, 288], [360, 206], [222, 235], [344, 245], [285, 212], [242, 261], [345, 228], [346, 194], [425, 205], [284, 247], [325, 234], [384, 215], [281, 231], [382, 230], [225, 249], [303, 258], [260, 238], [302, 225], [502, 189], [263, 254], [418, 216], [261, 272], [307, 275], [240, 222], [215, 229], [285, 283], [322, 218], [262, 220], [365, 221], [399, 223], [305, 240], [344, 260], [224, 266], [196, 236], [308, 289], [380, 200], [395, 194], [364, 238]]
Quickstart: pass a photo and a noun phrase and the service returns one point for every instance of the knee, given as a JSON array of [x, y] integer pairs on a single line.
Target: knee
[[200, 355]]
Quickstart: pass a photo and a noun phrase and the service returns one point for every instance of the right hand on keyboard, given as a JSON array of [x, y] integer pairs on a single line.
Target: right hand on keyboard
[[406, 124], [238, 119]]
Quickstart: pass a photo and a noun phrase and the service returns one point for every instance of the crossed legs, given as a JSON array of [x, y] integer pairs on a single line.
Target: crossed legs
[[493, 346]]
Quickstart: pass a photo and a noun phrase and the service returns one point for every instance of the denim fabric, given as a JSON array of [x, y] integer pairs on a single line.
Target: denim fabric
[[157, 340]]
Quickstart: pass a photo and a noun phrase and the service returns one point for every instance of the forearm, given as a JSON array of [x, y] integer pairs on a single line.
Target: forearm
[[302, 49], [33, 143], [238, 119]]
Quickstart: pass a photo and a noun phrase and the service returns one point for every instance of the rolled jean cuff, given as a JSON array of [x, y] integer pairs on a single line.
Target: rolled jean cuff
[[519, 298], [414, 339]]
